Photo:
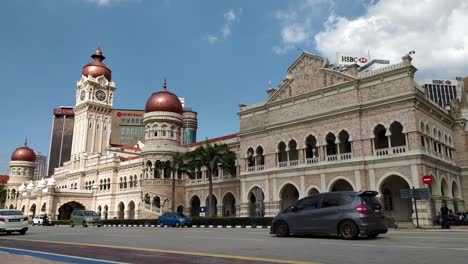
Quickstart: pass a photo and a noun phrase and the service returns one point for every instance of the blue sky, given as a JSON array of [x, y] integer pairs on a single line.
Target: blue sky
[[215, 54]]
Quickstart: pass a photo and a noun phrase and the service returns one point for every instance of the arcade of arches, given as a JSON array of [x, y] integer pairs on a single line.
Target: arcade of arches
[[66, 209]]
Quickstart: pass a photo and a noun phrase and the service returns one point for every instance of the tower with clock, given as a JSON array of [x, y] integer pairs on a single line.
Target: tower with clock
[[93, 108]]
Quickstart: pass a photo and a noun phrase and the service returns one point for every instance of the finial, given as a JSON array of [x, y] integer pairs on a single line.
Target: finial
[[270, 85], [165, 84], [26, 142]]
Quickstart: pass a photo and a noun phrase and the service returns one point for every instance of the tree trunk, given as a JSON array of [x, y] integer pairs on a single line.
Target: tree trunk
[[210, 193], [173, 192]]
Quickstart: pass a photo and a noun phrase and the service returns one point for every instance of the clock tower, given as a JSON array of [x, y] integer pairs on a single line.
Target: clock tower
[[93, 109]]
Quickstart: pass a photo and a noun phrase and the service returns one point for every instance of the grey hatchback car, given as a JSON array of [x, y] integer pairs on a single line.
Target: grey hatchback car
[[344, 214]]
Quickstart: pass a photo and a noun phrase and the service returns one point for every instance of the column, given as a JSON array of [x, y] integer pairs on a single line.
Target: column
[[301, 156], [93, 136]]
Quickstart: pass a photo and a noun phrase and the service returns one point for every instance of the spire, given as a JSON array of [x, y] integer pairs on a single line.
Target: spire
[[165, 84], [26, 142], [97, 55]]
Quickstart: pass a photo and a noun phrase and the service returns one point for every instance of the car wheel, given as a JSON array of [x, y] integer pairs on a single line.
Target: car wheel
[[161, 224], [177, 224], [84, 224], [348, 230], [22, 232], [99, 225], [372, 235], [72, 224], [281, 229]]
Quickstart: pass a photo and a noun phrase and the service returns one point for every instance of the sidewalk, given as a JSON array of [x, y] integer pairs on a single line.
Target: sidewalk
[[8, 258]]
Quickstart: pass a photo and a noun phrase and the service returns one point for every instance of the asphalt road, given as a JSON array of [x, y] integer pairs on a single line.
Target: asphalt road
[[216, 245]]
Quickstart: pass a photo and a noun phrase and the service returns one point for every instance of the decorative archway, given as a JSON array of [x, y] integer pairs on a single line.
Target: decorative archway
[[32, 210], [121, 211], [66, 209], [106, 212], [392, 204], [195, 206], [215, 206], [229, 205], [131, 210], [341, 185], [313, 191], [256, 199], [288, 195], [43, 208]]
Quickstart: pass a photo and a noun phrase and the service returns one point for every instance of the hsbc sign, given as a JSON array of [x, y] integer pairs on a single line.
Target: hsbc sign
[[348, 59]]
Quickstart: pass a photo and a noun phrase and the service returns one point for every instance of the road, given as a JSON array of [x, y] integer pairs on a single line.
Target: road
[[216, 245]]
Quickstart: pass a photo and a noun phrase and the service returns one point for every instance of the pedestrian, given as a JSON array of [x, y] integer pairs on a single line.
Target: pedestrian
[[444, 213], [257, 212]]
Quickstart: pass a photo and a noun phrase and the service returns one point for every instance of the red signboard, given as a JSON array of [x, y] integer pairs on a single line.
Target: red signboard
[[63, 111], [427, 179]]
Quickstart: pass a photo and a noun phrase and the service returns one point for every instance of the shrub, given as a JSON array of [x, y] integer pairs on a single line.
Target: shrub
[[60, 222]]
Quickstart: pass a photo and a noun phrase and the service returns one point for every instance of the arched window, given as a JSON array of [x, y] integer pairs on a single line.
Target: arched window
[[108, 183], [311, 147], [345, 145], [331, 145], [100, 185], [163, 130], [250, 158], [121, 183], [293, 153], [282, 155], [125, 182], [380, 138], [397, 138], [260, 159], [131, 181]]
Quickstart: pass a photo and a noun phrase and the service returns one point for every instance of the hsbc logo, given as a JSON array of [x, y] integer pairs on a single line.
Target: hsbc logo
[[353, 59], [448, 82], [119, 114], [441, 82]]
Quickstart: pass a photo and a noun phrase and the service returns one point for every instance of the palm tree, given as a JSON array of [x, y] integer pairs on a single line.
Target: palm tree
[[178, 167], [212, 156], [3, 195]]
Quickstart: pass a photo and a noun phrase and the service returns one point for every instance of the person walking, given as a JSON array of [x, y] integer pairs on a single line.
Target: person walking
[[444, 215]]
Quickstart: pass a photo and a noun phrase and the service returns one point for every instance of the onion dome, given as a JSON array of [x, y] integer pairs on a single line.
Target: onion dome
[[30, 186], [96, 68], [22, 188], [51, 182], [23, 153], [164, 101]]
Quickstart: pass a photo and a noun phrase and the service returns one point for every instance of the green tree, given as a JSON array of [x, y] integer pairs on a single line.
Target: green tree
[[211, 156], [177, 167], [3, 194]]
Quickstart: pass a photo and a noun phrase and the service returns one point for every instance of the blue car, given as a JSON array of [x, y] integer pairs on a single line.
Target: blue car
[[174, 219]]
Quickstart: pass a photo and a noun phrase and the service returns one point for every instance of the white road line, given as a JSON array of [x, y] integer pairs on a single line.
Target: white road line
[[462, 238], [228, 238], [391, 246]]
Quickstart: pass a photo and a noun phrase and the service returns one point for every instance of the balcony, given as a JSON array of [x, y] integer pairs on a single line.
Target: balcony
[[291, 163], [312, 161], [391, 151]]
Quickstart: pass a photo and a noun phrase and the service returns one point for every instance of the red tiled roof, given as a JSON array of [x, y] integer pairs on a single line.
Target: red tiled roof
[[212, 140], [125, 147], [4, 179], [130, 158]]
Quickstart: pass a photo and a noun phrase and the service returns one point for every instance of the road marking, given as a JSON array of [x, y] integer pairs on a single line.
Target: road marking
[[391, 246], [201, 254], [431, 237], [56, 257], [226, 238]]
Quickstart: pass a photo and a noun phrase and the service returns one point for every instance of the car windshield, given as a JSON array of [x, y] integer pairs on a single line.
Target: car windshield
[[90, 213], [10, 213], [181, 215]]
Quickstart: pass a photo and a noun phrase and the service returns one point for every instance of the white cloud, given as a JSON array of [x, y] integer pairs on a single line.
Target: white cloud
[[230, 17], [436, 30], [297, 25]]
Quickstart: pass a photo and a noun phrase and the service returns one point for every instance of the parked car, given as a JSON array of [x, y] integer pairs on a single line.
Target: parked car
[[38, 220], [85, 218], [174, 219], [344, 214], [12, 220]]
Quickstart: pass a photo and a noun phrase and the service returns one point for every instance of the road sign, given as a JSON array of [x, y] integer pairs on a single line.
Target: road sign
[[418, 194], [427, 179], [202, 211]]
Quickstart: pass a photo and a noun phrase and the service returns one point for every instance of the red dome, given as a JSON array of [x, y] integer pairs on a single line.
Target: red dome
[[164, 101], [23, 154], [96, 68]]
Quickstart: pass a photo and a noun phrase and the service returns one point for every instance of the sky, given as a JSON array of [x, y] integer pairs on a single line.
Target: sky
[[215, 54]]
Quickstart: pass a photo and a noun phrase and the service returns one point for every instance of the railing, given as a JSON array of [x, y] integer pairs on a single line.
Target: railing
[[260, 167], [346, 156], [179, 182], [293, 163], [312, 160], [332, 157], [391, 151], [251, 168], [283, 164]]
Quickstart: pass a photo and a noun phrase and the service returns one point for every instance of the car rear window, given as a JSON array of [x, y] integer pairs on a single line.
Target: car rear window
[[10, 213], [90, 213], [370, 201], [332, 200]]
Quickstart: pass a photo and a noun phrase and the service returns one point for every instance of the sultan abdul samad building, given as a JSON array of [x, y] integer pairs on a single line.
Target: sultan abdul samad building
[[324, 128]]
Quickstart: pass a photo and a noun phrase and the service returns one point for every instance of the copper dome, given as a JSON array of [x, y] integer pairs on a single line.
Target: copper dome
[[164, 101], [23, 154], [96, 68]]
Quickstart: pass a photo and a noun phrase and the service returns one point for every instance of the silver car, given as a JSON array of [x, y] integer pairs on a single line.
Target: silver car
[[13, 221], [344, 214]]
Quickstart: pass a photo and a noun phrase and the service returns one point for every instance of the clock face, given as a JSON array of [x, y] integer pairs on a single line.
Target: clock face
[[82, 96], [100, 95]]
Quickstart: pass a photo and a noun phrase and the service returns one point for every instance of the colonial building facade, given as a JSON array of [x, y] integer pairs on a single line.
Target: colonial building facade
[[324, 128]]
